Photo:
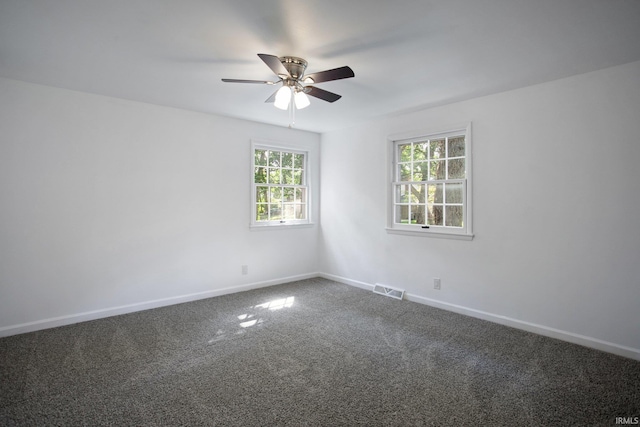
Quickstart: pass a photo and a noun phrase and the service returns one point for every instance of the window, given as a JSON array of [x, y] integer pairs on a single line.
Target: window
[[280, 190], [430, 185]]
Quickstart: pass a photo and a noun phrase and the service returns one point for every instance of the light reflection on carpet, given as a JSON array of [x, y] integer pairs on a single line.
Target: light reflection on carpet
[[253, 319]]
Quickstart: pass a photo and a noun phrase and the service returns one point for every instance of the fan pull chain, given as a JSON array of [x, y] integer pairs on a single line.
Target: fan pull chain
[[292, 111]]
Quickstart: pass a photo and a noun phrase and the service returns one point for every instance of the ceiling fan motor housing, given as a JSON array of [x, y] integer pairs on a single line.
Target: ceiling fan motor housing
[[294, 65]]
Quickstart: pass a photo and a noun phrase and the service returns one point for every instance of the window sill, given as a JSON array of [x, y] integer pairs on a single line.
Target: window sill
[[430, 233], [254, 227]]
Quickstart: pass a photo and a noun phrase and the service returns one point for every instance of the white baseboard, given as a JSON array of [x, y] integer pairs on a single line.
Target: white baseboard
[[356, 283], [145, 305], [632, 353], [609, 347]]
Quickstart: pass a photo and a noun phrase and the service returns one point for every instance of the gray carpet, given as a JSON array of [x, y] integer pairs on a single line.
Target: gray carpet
[[321, 354]]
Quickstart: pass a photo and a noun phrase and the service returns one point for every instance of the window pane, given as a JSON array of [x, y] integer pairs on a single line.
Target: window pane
[[298, 161], [436, 149], [287, 160], [288, 211], [274, 158], [420, 171], [262, 212], [276, 195], [287, 176], [260, 158], [454, 193], [288, 194], [417, 193], [301, 211], [418, 214], [402, 194], [275, 176], [260, 175], [420, 151], [434, 193], [404, 172], [456, 168], [301, 195], [435, 215], [402, 214], [404, 152], [275, 212], [454, 216], [436, 169], [262, 194], [298, 177], [456, 147]]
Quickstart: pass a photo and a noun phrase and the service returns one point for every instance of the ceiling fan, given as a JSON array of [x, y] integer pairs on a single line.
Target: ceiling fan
[[295, 83]]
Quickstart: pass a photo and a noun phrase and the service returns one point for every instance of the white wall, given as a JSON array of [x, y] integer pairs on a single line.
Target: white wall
[[556, 208], [108, 203]]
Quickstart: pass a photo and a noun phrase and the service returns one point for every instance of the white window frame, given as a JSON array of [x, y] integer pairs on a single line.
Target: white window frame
[[462, 233], [275, 146]]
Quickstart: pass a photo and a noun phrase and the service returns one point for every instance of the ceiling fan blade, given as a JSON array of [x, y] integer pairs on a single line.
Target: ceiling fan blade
[[335, 74], [249, 81], [274, 63], [272, 98], [325, 95]]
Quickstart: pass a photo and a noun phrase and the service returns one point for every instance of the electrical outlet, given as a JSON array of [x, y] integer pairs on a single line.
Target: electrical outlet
[[245, 270], [436, 284]]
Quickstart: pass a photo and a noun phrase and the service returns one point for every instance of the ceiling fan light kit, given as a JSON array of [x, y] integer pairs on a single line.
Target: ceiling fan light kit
[[296, 84], [301, 100], [283, 98]]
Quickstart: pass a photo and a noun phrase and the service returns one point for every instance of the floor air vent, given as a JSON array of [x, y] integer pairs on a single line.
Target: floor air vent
[[388, 291]]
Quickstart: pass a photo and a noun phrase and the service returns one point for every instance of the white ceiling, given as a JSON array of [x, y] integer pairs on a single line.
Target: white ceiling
[[406, 54]]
